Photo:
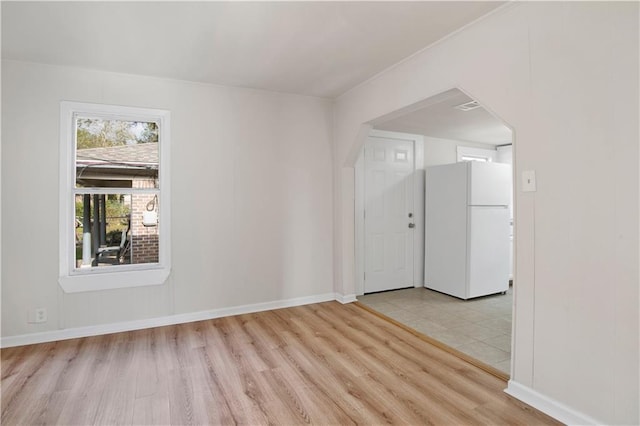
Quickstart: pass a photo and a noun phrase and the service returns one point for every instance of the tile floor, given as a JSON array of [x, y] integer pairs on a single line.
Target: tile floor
[[478, 327]]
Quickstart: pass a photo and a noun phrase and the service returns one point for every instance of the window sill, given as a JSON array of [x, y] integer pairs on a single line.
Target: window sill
[[112, 280]]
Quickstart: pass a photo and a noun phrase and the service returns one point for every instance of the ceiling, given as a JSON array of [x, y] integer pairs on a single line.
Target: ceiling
[[311, 48], [439, 119]]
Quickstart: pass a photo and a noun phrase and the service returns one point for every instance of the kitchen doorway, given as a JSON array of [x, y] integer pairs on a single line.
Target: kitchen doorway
[[455, 128]]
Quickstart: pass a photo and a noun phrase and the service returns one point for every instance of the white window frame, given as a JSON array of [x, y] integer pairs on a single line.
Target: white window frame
[[482, 154], [74, 280]]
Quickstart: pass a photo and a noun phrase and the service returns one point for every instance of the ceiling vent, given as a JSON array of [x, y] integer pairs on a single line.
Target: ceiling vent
[[468, 106]]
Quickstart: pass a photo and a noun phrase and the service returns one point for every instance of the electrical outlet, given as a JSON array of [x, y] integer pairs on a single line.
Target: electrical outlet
[[41, 315], [37, 315]]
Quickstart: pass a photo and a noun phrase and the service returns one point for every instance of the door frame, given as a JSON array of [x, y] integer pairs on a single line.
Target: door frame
[[418, 207]]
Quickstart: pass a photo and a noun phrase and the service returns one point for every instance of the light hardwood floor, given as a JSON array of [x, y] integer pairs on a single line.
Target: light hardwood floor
[[322, 364]]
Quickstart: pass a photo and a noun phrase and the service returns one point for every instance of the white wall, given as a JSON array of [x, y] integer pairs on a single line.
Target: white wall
[[564, 75], [505, 154], [251, 197]]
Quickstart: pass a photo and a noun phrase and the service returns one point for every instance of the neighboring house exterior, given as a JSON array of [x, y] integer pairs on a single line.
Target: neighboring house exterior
[[132, 166]]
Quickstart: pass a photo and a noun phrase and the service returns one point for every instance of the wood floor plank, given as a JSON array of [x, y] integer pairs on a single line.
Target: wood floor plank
[[208, 386], [117, 401], [393, 344], [384, 369], [325, 363], [14, 362], [234, 387], [327, 382], [24, 365], [152, 410]]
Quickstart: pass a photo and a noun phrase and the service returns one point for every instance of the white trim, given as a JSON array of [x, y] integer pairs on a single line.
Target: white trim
[[418, 207], [347, 298], [75, 280], [549, 406], [359, 222], [96, 330], [95, 280]]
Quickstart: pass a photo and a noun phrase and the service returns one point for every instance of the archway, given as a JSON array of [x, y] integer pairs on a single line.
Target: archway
[[457, 127]]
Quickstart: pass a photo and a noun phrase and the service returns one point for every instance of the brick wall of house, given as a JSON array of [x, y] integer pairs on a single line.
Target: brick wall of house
[[144, 239]]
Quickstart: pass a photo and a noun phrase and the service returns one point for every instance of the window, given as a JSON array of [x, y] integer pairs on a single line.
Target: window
[[114, 196], [467, 153], [473, 158]]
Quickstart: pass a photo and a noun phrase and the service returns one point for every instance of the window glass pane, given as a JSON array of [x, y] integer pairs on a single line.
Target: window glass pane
[[472, 158], [116, 229], [116, 153]]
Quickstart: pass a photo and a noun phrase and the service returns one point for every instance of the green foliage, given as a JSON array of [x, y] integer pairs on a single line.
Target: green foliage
[[149, 133], [98, 133], [116, 210], [115, 206]]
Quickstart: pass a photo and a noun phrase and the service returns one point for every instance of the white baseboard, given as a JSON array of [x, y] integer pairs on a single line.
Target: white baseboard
[[344, 299], [549, 406], [96, 330]]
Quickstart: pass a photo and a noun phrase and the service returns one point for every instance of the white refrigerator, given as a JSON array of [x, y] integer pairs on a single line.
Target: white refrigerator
[[467, 228]]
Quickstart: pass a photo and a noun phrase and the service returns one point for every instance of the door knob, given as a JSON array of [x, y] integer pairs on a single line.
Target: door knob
[[412, 225]]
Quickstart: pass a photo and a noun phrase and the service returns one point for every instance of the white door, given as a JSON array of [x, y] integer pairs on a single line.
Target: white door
[[389, 216]]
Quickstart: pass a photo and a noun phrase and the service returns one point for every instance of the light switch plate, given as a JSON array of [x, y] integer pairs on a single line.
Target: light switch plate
[[529, 181]]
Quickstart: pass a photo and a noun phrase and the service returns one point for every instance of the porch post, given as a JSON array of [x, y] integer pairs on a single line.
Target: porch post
[[103, 220], [96, 228], [86, 230]]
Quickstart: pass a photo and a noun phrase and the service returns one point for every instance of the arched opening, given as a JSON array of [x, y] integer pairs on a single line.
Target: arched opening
[[458, 286]]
